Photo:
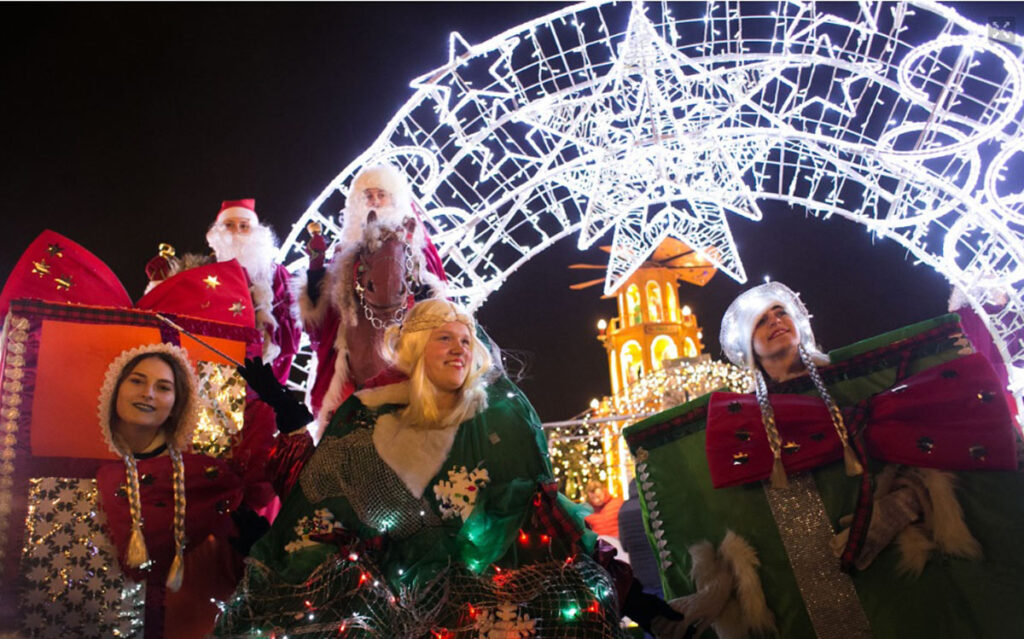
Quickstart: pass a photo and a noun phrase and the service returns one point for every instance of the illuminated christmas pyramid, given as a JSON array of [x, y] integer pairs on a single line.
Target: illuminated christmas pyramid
[[656, 360]]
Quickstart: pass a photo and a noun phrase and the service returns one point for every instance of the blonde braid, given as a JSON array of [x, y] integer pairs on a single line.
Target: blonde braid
[[177, 572], [778, 476], [137, 556]]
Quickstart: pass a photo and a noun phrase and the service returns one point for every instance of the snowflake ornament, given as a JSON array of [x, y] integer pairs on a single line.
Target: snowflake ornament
[[505, 622], [457, 496]]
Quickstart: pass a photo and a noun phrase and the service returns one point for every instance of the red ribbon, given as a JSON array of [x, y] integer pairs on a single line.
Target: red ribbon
[[952, 416]]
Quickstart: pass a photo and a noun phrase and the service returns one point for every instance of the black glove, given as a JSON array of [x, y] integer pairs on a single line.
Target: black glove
[[251, 527], [290, 413], [313, 278], [654, 615]]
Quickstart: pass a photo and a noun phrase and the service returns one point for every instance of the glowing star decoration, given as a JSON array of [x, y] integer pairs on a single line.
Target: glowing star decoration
[[663, 119], [646, 126], [211, 282]]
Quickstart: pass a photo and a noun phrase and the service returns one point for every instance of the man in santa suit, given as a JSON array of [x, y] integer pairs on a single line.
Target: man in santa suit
[[238, 234], [346, 342]]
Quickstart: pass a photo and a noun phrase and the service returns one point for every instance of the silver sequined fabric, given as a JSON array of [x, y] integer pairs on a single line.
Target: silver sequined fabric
[[828, 592], [350, 467], [72, 584]]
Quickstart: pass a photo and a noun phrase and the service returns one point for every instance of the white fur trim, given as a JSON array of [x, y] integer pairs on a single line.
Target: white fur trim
[[729, 595], [416, 455], [238, 212], [915, 548], [950, 531], [713, 583], [189, 417], [311, 315], [397, 393], [957, 300], [742, 560]]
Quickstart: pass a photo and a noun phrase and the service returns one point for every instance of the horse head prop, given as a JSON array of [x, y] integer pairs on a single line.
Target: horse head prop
[[384, 263], [386, 280]]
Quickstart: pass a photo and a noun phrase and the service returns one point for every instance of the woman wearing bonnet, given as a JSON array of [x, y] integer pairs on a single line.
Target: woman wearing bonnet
[[167, 509], [892, 522], [428, 509]]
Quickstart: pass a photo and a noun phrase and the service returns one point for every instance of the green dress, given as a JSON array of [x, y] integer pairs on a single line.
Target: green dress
[[489, 549]]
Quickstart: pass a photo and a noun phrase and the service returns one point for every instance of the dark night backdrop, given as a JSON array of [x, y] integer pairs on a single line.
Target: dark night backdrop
[[125, 125]]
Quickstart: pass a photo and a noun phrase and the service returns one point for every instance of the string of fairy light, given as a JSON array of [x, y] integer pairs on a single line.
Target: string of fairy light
[[592, 446]]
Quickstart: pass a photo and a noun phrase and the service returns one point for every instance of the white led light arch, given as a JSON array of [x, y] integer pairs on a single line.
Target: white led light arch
[[654, 120]]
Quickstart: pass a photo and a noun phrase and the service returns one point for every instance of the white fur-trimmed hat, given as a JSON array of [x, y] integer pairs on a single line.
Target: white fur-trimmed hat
[[238, 208], [741, 316], [384, 177], [182, 437]]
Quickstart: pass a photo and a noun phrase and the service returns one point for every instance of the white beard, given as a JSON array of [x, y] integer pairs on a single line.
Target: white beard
[[354, 224], [254, 251]]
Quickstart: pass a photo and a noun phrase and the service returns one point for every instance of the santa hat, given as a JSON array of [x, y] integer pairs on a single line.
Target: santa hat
[[238, 208]]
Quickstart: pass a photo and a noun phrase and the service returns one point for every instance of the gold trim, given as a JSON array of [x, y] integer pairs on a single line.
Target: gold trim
[[15, 334]]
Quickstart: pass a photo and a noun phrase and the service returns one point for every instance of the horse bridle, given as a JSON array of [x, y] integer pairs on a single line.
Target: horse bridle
[[407, 284]]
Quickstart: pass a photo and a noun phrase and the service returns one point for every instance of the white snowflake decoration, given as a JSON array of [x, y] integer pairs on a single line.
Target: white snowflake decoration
[[505, 622], [457, 496]]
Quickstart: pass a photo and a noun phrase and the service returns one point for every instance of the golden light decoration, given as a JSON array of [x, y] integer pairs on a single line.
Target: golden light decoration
[[222, 408], [592, 447]]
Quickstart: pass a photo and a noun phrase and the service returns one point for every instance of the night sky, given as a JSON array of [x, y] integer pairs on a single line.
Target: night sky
[[125, 125]]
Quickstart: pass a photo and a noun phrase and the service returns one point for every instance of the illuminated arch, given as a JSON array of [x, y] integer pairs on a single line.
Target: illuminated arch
[[673, 304], [634, 314], [631, 358], [690, 348], [848, 109], [663, 347], [655, 310]]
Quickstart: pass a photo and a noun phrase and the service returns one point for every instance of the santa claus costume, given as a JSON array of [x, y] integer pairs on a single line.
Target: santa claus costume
[[328, 303]]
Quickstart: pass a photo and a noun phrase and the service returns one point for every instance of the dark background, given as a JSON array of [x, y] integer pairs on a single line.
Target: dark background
[[125, 125]]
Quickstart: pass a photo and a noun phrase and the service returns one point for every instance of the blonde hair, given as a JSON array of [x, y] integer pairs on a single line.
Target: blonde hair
[[404, 345]]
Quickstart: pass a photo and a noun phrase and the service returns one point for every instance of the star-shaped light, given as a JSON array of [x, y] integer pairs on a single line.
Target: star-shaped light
[[654, 163], [211, 282], [237, 308]]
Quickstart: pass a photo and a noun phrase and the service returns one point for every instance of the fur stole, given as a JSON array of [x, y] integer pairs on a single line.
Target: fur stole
[[415, 454]]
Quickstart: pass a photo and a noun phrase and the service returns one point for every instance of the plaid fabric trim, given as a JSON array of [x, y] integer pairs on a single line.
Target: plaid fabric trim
[[132, 317], [553, 519], [859, 415], [636, 439], [897, 354]]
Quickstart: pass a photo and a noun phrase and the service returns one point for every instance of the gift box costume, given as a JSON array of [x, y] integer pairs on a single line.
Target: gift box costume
[[909, 397], [66, 517]]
